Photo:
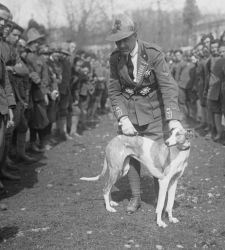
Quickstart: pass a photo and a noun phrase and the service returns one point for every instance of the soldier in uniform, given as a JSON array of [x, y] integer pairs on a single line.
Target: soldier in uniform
[[142, 92], [7, 100], [19, 78], [39, 92]]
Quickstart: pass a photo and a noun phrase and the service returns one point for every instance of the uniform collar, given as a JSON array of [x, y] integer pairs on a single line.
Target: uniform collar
[[135, 50]]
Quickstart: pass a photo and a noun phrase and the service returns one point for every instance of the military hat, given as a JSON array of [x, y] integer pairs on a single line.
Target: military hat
[[122, 27], [33, 35], [44, 50], [17, 26], [5, 12]]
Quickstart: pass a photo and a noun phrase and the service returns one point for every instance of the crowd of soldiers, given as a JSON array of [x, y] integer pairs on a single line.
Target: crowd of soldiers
[[200, 74], [48, 93]]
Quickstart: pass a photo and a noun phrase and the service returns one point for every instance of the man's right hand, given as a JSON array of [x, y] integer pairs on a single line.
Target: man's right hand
[[35, 77], [126, 126]]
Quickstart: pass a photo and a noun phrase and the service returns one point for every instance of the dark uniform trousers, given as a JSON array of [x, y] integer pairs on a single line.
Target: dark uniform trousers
[[2, 136]]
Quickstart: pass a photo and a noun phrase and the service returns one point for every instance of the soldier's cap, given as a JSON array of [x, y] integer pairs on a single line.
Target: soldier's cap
[[5, 12], [33, 35], [44, 50], [64, 52], [122, 27], [16, 26]]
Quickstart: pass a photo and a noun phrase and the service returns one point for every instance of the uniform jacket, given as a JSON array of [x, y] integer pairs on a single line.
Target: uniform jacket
[[18, 76], [7, 99], [185, 74], [152, 72], [64, 86], [213, 86], [37, 63]]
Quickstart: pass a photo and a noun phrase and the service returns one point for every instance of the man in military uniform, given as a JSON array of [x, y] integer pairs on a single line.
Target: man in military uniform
[[39, 92], [142, 92], [19, 79], [7, 100]]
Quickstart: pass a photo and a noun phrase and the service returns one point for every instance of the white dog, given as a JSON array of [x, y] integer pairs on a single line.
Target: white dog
[[164, 161]]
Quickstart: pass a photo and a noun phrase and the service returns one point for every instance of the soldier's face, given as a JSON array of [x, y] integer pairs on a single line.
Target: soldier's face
[[34, 46], [3, 23], [214, 49], [178, 56], [14, 37], [126, 45], [222, 51], [207, 42]]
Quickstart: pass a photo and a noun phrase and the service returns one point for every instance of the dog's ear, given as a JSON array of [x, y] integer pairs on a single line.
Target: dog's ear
[[189, 133]]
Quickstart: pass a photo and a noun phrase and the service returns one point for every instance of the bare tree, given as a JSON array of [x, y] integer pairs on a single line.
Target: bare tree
[[85, 17], [47, 8]]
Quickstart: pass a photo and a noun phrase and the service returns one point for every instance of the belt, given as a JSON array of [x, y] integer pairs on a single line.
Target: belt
[[140, 91]]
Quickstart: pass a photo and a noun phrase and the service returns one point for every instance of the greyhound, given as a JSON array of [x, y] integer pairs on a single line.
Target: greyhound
[[165, 161]]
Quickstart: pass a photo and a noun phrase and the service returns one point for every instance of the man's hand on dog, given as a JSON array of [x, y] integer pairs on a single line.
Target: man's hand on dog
[[126, 126]]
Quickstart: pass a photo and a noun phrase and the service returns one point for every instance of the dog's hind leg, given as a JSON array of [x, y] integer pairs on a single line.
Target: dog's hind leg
[[170, 202], [163, 185]]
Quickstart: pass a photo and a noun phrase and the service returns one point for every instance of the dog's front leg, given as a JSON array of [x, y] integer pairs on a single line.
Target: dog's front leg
[[163, 185], [170, 202]]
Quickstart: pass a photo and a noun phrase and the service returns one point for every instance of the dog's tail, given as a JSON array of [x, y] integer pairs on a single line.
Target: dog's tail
[[96, 178]]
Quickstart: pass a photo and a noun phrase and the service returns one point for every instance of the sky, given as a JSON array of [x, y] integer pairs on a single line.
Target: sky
[[24, 10]]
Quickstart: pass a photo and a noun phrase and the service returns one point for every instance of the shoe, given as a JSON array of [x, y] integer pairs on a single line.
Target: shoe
[[208, 136], [68, 137], [11, 166], [36, 149], [26, 159], [48, 147], [201, 126], [7, 175], [133, 205]]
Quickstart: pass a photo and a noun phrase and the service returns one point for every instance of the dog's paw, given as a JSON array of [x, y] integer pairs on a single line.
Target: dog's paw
[[173, 220], [113, 203], [162, 224], [111, 209]]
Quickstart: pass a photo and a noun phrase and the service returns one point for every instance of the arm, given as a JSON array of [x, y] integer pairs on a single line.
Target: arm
[[114, 90], [168, 87]]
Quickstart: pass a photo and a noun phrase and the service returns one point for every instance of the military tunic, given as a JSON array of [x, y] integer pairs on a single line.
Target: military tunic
[[156, 95]]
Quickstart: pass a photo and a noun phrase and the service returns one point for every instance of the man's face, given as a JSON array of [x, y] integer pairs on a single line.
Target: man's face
[[14, 36], [7, 29], [214, 49], [126, 45], [207, 42], [178, 56], [78, 65], [222, 51], [72, 47], [200, 50], [3, 23], [34, 46]]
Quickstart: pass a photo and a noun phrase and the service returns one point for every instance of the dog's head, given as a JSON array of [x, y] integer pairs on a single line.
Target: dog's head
[[179, 137]]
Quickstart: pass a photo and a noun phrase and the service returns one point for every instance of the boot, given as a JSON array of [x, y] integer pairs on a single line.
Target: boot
[[7, 175], [21, 153], [73, 131], [135, 184], [11, 165], [34, 148], [63, 129]]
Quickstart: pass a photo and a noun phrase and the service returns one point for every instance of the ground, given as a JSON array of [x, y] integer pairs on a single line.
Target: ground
[[52, 209]]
